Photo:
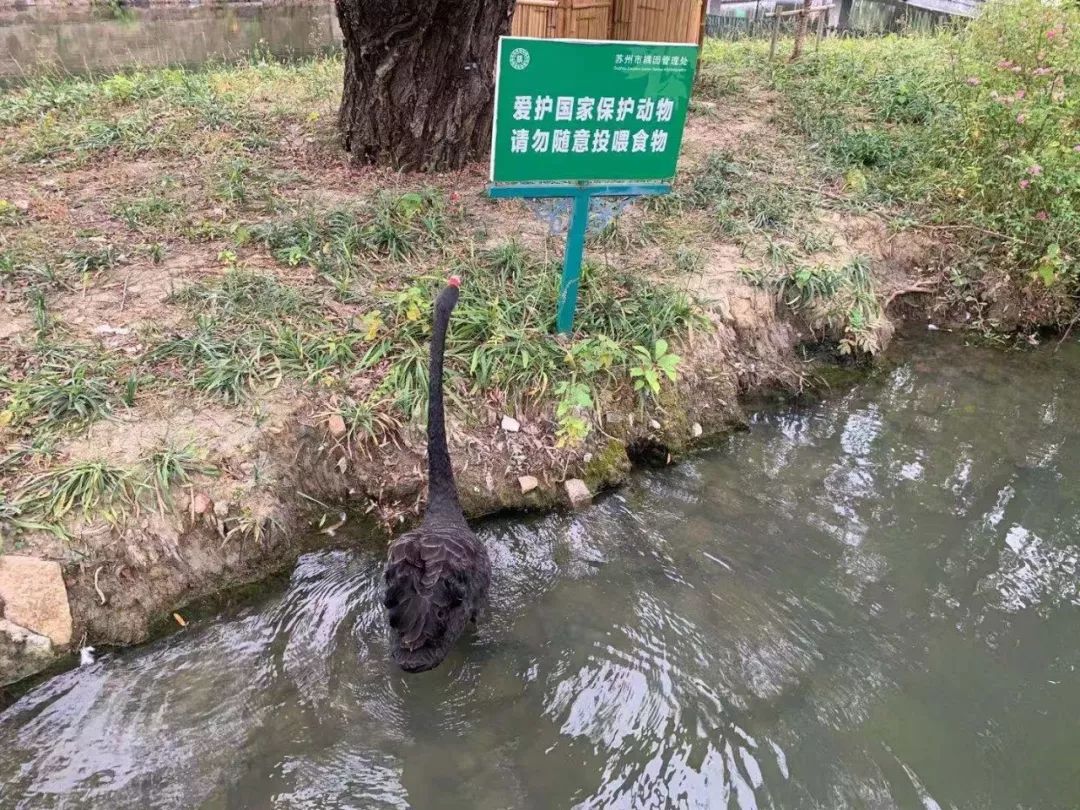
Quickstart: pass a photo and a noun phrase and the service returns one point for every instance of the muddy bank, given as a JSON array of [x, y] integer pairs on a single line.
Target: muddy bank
[[297, 484]]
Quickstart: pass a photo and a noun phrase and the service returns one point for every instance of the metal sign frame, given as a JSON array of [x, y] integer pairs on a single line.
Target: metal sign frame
[[581, 192]]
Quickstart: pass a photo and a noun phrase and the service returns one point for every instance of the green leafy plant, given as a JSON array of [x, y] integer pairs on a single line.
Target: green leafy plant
[[573, 403], [653, 366]]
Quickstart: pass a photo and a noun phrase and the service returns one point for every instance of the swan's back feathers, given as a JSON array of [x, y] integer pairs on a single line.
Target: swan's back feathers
[[436, 581]]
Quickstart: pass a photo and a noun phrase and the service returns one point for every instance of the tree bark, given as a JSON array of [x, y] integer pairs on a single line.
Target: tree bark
[[800, 29], [419, 80]]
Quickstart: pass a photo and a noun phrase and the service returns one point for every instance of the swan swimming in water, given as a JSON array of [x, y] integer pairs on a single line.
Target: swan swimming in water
[[437, 575]]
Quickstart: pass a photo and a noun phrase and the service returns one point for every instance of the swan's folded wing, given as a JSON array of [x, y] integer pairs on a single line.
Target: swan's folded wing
[[424, 583]]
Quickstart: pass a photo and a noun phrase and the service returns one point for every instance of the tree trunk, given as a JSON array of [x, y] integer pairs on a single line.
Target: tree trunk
[[800, 29], [419, 80]]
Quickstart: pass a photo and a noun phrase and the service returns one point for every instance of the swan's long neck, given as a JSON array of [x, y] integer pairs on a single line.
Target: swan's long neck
[[442, 493]]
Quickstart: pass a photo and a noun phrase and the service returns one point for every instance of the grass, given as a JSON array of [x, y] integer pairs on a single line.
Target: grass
[[98, 489], [59, 393], [288, 270], [148, 211], [88, 489], [843, 299], [241, 297], [365, 420], [342, 244], [168, 467]]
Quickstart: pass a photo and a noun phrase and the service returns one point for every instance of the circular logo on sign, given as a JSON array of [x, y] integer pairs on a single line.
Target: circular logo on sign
[[519, 59]]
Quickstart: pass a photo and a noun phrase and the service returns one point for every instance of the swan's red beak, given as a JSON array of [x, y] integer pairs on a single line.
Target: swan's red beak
[[454, 281]]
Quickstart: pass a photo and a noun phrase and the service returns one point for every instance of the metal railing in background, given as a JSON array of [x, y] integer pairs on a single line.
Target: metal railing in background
[[753, 20]]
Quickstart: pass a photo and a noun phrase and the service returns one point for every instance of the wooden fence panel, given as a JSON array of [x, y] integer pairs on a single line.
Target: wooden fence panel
[[637, 20], [535, 18], [657, 20], [588, 19]]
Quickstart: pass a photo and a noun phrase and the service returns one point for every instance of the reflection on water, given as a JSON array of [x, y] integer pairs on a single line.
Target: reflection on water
[[100, 41], [868, 603]]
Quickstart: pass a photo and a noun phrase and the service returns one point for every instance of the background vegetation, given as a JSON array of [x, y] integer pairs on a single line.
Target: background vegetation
[[974, 129]]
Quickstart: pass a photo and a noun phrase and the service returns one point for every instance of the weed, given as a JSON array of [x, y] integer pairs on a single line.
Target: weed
[[844, 297], [688, 260], [170, 466], [133, 134], [87, 262], [779, 254], [233, 180], [367, 420], [395, 227], [39, 311], [131, 388], [232, 375], [242, 296], [574, 399], [653, 366], [156, 252], [313, 356], [202, 345], [91, 489], [59, 394], [151, 210], [869, 149], [814, 241], [9, 213], [973, 126]]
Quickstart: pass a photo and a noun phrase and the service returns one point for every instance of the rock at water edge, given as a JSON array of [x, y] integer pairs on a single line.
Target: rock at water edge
[[578, 493], [22, 653], [35, 597]]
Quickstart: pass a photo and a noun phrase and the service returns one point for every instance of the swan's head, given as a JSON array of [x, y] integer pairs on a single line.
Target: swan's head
[[448, 298]]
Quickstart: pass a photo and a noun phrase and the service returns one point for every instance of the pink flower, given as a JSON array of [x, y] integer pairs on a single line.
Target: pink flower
[[1043, 71], [1042, 216], [1035, 170], [974, 81], [1051, 34], [1024, 184], [1005, 64], [1021, 118], [1076, 148], [1021, 93]]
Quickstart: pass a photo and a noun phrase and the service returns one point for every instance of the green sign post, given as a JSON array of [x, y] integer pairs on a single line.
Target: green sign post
[[582, 119]]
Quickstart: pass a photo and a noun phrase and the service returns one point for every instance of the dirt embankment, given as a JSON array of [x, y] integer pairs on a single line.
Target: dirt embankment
[[288, 476]]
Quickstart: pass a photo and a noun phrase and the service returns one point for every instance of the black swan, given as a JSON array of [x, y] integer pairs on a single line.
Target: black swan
[[436, 575]]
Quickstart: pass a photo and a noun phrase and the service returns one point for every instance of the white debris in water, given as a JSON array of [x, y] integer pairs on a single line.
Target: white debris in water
[[86, 656], [781, 759]]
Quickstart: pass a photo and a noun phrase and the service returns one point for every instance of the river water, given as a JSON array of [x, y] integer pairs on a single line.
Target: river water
[[55, 40], [869, 602]]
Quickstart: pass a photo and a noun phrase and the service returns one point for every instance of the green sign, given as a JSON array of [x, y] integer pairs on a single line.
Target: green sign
[[581, 110]]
